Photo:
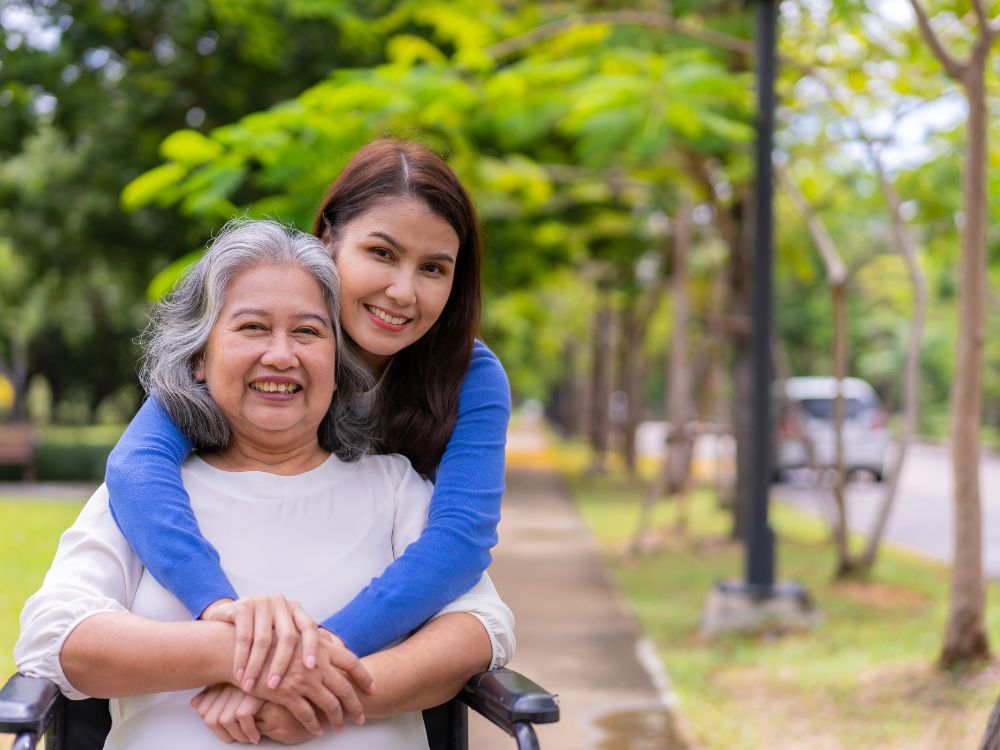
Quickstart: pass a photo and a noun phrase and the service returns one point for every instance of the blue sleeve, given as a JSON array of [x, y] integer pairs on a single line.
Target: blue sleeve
[[454, 550], [153, 510]]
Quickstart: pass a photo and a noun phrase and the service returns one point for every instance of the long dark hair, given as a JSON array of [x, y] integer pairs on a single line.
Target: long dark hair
[[420, 388]]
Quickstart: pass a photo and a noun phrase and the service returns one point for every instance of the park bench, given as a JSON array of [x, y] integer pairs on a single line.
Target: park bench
[[17, 447]]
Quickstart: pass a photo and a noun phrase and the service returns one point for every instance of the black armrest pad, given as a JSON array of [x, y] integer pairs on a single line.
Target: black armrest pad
[[505, 697], [28, 704]]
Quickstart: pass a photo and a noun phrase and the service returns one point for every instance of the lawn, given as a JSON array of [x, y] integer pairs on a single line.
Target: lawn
[[864, 679], [29, 532]]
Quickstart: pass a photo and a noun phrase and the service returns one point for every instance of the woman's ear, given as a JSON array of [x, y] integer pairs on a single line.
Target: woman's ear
[[199, 369], [330, 241]]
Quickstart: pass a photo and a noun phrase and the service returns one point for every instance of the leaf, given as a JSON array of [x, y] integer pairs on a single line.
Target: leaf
[[164, 281], [149, 186], [406, 49], [189, 147]]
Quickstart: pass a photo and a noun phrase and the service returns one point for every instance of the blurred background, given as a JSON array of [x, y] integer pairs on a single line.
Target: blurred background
[[609, 148]]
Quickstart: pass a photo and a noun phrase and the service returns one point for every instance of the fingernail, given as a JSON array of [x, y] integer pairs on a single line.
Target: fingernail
[[248, 685], [310, 661], [273, 682], [239, 674]]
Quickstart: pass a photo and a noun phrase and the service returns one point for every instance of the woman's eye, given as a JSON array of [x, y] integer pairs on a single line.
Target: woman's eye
[[434, 269], [307, 331], [251, 327], [381, 252]]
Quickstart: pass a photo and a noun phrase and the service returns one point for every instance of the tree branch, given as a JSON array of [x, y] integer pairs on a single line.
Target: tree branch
[[952, 67], [836, 271], [649, 19], [984, 21]]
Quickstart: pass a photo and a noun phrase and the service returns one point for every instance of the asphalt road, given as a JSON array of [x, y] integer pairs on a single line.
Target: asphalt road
[[921, 518]]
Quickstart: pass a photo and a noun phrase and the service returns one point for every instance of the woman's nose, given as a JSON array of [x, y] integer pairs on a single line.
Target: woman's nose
[[280, 353], [402, 290]]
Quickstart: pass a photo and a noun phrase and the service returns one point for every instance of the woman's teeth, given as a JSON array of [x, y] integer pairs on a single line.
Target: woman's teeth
[[268, 387], [383, 315]]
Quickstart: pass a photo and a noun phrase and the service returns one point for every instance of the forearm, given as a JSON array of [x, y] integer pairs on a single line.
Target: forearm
[[152, 509], [428, 668], [452, 553], [116, 654]]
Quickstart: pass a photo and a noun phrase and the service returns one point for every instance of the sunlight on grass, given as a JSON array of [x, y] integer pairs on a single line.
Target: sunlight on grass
[[29, 533], [865, 678]]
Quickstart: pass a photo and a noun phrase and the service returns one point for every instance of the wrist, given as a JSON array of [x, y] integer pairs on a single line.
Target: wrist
[[207, 612]]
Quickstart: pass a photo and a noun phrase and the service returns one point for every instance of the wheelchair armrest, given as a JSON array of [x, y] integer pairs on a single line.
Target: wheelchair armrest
[[28, 704], [507, 698]]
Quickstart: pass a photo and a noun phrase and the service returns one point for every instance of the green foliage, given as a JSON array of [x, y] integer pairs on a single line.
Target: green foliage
[[90, 92], [566, 147], [75, 453], [171, 117]]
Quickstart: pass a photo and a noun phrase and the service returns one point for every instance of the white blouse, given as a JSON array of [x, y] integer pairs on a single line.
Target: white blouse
[[317, 537]]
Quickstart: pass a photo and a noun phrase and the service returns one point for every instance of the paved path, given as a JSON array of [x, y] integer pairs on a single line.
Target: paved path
[[575, 635]]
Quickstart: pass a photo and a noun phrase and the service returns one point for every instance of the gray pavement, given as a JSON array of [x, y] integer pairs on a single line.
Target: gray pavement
[[922, 517], [575, 635]]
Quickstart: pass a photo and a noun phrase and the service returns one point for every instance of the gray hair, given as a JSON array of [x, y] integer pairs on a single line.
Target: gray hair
[[180, 325]]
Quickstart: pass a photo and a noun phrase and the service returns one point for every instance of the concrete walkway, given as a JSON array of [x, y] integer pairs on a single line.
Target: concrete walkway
[[575, 635]]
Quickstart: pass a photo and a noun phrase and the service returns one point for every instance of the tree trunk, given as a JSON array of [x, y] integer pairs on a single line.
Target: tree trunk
[[841, 529], [991, 737], [965, 634], [679, 444], [600, 386], [19, 379], [631, 374], [906, 247], [672, 478]]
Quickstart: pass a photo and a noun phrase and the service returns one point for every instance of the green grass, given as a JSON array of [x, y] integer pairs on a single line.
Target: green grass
[[29, 533], [865, 678]]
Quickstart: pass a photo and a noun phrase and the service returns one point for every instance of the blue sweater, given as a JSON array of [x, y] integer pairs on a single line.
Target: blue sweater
[[151, 507]]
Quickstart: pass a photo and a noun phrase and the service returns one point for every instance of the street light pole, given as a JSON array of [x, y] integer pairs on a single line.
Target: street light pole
[[759, 536], [758, 602]]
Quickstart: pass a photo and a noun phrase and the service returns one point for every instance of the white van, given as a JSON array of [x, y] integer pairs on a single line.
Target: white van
[[805, 416]]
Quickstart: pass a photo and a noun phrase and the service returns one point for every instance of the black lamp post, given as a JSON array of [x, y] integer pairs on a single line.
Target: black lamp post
[[758, 601], [759, 536]]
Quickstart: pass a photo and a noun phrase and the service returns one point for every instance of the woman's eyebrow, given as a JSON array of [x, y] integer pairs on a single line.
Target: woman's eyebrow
[[444, 257], [257, 313], [315, 316]]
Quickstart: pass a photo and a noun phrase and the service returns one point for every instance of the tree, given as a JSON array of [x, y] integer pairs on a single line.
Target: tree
[[965, 635], [89, 90]]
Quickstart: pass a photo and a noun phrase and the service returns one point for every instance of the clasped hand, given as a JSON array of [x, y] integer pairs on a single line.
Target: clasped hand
[[312, 678]]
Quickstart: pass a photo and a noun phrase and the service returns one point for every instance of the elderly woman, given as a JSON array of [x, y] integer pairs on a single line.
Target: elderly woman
[[280, 484]]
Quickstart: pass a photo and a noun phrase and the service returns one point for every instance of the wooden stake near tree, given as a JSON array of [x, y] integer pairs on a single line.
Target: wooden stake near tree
[[905, 246], [672, 478], [965, 634], [836, 279]]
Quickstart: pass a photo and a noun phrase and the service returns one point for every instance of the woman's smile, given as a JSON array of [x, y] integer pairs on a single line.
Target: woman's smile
[[397, 264], [269, 359], [275, 387]]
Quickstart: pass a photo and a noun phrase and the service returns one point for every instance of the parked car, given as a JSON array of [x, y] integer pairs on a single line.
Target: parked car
[[805, 424]]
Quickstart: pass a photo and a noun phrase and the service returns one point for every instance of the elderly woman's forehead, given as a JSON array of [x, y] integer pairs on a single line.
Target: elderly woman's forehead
[[287, 285]]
